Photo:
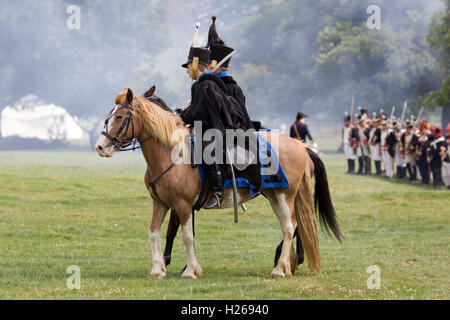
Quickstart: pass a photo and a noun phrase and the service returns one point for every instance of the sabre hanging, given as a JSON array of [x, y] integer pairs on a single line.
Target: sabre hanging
[[223, 61], [233, 180]]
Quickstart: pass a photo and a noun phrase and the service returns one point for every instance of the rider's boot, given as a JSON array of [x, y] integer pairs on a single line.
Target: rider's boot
[[215, 182]]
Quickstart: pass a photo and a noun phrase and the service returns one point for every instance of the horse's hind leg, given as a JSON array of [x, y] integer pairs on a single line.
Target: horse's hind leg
[[297, 257], [193, 269], [283, 208], [172, 229], [158, 266]]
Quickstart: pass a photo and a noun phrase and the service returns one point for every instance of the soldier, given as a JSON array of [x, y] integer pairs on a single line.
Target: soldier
[[366, 142], [299, 130], [355, 142], [345, 144], [374, 140], [409, 141], [387, 148], [363, 148], [436, 152], [424, 139], [446, 162], [398, 150], [210, 105]]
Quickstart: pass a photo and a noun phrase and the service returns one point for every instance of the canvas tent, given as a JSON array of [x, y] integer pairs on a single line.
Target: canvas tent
[[32, 118]]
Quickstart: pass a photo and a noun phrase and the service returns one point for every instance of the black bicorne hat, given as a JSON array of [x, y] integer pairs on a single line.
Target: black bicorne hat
[[218, 48], [201, 53]]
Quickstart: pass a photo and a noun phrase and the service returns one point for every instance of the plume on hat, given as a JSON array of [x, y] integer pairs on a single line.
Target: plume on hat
[[213, 37]]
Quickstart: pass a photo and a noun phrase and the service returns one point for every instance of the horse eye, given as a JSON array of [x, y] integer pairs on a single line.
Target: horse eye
[[119, 117]]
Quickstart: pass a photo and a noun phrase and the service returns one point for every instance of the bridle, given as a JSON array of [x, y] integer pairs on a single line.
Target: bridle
[[121, 143]]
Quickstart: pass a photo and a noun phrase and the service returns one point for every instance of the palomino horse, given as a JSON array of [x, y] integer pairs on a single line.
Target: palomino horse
[[177, 185]]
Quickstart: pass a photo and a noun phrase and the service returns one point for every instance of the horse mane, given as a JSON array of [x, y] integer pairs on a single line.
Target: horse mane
[[157, 100], [163, 125]]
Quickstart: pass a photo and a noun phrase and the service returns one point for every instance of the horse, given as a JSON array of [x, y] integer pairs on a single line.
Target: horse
[[159, 132]]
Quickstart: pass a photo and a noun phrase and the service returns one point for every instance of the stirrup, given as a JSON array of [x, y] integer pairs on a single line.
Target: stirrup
[[214, 201]]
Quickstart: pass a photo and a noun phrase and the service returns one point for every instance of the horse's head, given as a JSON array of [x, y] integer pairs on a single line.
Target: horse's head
[[120, 128]]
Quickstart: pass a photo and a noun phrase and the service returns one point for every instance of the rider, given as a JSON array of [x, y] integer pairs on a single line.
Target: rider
[[209, 104], [220, 51]]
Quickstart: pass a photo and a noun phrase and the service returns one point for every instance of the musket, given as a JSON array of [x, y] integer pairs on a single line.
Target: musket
[[392, 113], [419, 115], [405, 105], [351, 110]]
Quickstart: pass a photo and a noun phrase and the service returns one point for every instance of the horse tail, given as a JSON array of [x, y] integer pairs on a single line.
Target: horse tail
[[306, 222], [322, 199]]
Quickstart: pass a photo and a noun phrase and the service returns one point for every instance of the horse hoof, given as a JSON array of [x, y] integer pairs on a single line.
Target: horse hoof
[[277, 274], [158, 275], [187, 275], [198, 271]]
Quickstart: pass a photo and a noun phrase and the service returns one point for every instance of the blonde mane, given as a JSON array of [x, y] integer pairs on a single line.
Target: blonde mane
[[164, 126]]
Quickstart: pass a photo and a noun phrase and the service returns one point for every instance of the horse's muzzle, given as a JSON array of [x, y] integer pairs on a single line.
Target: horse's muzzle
[[104, 152]]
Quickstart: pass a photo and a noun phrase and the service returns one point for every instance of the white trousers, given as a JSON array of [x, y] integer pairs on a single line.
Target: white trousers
[[446, 173], [375, 152], [348, 151], [388, 164], [398, 158]]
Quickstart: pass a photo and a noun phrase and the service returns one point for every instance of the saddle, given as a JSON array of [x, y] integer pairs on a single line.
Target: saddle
[[267, 173]]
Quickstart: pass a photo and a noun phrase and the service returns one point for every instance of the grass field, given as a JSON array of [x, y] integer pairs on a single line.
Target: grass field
[[59, 209]]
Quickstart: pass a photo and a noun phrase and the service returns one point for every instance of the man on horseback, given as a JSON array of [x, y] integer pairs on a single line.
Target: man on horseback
[[213, 108]]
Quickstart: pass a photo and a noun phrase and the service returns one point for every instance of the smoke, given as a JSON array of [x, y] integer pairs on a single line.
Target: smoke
[[142, 43]]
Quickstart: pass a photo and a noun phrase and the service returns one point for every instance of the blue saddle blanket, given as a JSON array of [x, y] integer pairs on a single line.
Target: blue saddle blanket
[[272, 174]]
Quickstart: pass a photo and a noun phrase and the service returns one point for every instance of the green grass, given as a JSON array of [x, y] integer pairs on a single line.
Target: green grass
[[62, 209]]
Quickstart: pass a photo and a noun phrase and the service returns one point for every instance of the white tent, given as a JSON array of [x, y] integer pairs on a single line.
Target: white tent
[[31, 118]]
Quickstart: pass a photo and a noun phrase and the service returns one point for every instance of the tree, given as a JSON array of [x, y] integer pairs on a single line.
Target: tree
[[439, 40]]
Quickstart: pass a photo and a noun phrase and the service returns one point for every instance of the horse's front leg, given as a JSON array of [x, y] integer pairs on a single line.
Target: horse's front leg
[[158, 265], [193, 269]]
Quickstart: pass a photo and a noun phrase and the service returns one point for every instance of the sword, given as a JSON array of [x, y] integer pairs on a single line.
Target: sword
[[233, 180], [223, 61]]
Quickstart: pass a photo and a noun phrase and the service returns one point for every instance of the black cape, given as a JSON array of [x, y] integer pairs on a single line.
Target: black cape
[[213, 104]]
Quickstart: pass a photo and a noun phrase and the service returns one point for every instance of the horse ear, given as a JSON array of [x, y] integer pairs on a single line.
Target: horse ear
[[150, 92], [130, 95]]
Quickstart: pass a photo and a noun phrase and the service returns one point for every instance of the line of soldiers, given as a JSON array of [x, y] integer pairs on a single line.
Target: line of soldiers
[[413, 149]]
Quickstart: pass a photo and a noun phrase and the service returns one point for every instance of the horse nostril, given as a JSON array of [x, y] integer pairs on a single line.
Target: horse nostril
[[99, 147]]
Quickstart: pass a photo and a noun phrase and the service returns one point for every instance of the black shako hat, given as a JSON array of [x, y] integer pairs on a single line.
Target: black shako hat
[[218, 48], [301, 115], [201, 53]]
